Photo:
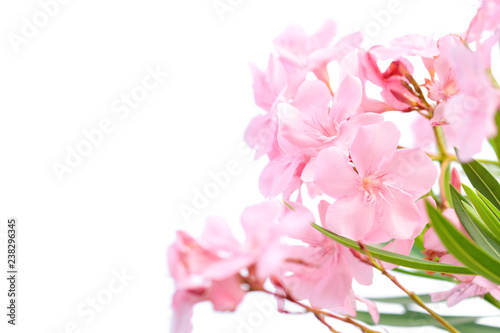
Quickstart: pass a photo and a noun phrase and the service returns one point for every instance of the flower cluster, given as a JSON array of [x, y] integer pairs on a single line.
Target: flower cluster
[[328, 136]]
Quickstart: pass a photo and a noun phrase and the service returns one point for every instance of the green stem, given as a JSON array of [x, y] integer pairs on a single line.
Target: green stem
[[417, 300], [440, 141], [319, 313]]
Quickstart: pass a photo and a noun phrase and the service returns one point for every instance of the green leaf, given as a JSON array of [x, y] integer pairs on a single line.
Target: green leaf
[[477, 328], [483, 181], [494, 227], [398, 259], [414, 319], [492, 300], [489, 222], [477, 219], [403, 300], [463, 249], [473, 229]]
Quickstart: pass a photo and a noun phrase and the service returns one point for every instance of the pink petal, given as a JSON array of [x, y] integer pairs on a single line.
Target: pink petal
[[296, 224], [333, 174], [399, 214], [348, 129], [268, 85], [372, 308], [346, 100], [337, 52], [225, 295], [322, 210], [261, 134], [257, 221], [293, 129], [218, 236], [278, 174], [410, 170], [362, 272], [372, 144], [313, 98], [351, 217], [182, 306]]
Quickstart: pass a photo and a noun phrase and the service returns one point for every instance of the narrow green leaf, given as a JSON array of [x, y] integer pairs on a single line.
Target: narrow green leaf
[[492, 300], [398, 259], [494, 227], [463, 249], [487, 220], [477, 219], [473, 229], [403, 300], [477, 328], [483, 181], [414, 319]]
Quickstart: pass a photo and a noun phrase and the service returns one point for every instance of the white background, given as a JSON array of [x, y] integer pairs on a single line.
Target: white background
[[119, 209]]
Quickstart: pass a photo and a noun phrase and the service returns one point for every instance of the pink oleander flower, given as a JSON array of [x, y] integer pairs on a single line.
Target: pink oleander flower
[[486, 19], [479, 286], [205, 270], [311, 122], [220, 269], [393, 81], [323, 271], [212, 267], [469, 101], [301, 53], [470, 285], [269, 88], [376, 192]]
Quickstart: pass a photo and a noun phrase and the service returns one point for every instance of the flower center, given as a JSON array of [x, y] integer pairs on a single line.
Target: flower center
[[371, 185]]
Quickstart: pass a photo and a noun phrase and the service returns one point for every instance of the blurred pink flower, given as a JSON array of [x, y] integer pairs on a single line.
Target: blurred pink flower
[[269, 88], [301, 53], [323, 271], [486, 19], [469, 101], [479, 286], [205, 270]]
